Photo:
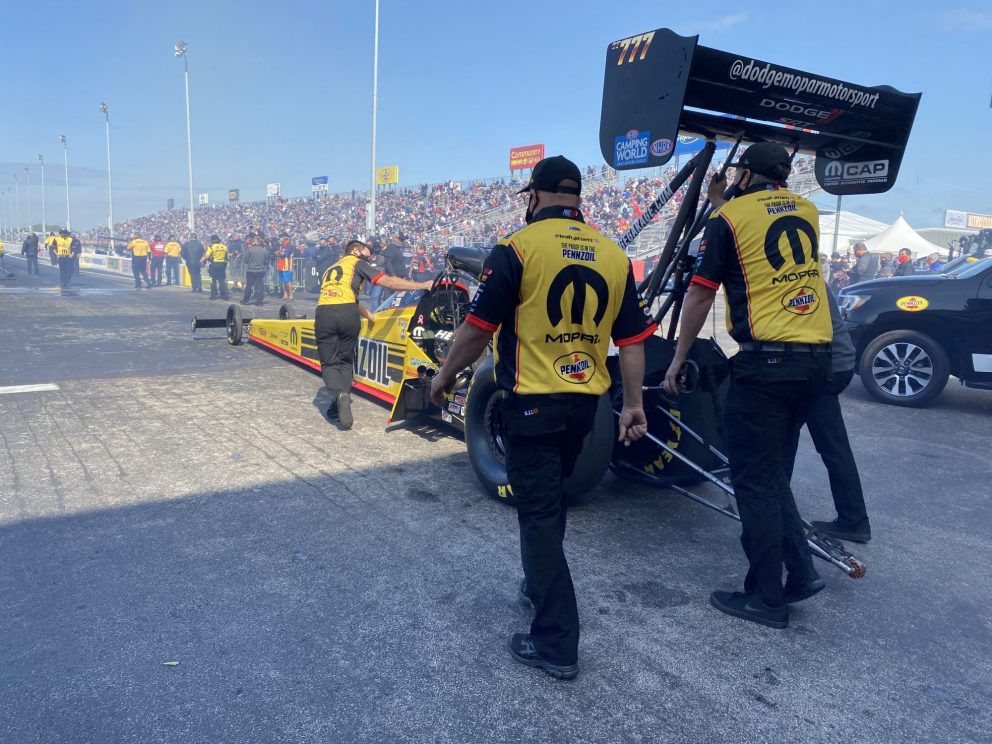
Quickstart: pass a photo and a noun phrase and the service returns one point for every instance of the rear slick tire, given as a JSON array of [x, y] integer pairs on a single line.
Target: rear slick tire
[[484, 439]]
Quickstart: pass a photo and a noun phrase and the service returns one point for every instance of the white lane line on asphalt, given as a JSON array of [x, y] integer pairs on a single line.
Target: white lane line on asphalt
[[43, 388]]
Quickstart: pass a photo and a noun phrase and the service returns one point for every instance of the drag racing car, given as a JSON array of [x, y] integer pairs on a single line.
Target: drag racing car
[[657, 86], [912, 333]]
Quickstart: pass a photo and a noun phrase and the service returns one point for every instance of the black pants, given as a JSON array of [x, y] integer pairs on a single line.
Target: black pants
[[139, 265], [218, 280], [825, 424], [254, 284], [54, 257], [544, 436], [195, 275], [172, 269], [769, 398], [32, 259], [156, 270], [65, 270], [336, 328]]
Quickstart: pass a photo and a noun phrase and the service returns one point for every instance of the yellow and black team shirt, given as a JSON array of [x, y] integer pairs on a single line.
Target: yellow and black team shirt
[[216, 253], [1, 247], [50, 241], [764, 247], [63, 246], [342, 282], [138, 247], [556, 292], [173, 249]]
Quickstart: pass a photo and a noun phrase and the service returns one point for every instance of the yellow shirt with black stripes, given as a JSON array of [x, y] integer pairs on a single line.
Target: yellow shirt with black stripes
[[216, 253], [764, 248], [555, 292], [63, 246], [342, 282]]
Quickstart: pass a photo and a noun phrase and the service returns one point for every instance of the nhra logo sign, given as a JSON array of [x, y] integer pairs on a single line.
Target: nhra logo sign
[[844, 173], [631, 149]]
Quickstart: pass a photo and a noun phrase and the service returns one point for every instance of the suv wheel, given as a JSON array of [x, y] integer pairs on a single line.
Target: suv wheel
[[904, 368]]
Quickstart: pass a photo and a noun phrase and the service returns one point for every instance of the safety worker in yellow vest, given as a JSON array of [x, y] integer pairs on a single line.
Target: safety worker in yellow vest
[[284, 266], [50, 244], [216, 260], [338, 321], [63, 249], [554, 292], [172, 252], [139, 261], [763, 247]]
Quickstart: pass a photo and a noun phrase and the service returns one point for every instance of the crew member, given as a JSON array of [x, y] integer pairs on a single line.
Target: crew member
[[193, 256], [172, 253], [76, 249], [50, 244], [157, 256], [337, 322], [763, 247], [825, 424], [555, 291], [29, 249], [139, 260], [63, 249], [216, 258]]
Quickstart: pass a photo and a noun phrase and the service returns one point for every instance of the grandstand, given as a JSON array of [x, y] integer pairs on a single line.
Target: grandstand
[[451, 213]]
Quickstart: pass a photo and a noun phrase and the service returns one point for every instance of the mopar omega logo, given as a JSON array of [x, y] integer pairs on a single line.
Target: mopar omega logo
[[581, 279], [293, 338]]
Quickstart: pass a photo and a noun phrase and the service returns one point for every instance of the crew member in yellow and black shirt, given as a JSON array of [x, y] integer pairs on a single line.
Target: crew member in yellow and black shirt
[[172, 252], [338, 321], [763, 247], [139, 261], [216, 258], [63, 249], [555, 292]]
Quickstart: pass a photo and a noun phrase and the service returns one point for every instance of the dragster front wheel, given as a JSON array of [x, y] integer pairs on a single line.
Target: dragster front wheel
[[234, 325]]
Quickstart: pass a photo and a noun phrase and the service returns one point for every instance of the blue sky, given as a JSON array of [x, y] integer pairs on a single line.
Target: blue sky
[[282, 91]]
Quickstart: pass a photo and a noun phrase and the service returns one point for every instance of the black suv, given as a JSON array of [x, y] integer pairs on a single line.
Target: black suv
[[912, 332]]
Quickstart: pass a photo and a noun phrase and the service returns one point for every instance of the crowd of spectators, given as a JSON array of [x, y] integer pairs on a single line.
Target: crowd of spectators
[[430, 216]]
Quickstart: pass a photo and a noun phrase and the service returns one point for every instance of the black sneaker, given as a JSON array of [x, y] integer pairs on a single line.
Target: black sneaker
[[842, 532], [751, 607], [522, 650], [525, 601], [344, 410], [798, 593]]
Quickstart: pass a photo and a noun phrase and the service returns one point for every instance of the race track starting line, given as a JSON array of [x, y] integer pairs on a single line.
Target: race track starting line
[[42, 388]]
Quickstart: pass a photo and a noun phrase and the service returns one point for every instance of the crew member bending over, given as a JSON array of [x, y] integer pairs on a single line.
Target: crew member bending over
[[339, 320]]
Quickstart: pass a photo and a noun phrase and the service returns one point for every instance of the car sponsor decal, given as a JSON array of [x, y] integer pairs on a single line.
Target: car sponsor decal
[[912, 303], [631, 148], [662, 147]]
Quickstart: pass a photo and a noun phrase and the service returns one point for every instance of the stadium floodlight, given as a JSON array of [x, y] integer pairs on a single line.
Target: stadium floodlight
[[105, 110], [65, 148], [28, 172], [17, 203], [44, 223], [181, 51]]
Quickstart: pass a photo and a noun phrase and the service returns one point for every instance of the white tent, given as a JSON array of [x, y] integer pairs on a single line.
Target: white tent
[[900, 235], [852, 229]]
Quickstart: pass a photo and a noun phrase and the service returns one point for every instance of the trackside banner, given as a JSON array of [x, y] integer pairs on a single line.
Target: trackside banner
[[526, 157]]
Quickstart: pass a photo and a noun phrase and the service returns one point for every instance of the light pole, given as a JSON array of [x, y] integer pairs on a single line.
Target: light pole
[[65, 146], [370, 218], [3, 215], [28, 171], [17, 203], [105, 109], [181, 49], [44, 225]]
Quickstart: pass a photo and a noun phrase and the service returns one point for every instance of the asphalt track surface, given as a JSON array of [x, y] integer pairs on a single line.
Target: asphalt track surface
[[190, 552]]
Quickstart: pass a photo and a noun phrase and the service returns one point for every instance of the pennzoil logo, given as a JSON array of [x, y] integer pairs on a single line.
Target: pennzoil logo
[[912, 303], [577, 368], [801, 301]]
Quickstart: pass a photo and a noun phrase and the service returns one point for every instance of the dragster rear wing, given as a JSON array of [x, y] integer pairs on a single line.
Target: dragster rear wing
[[659, 83]]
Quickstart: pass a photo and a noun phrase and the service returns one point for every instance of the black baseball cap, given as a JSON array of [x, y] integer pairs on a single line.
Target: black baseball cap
[[768, 159], [550, 172]]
